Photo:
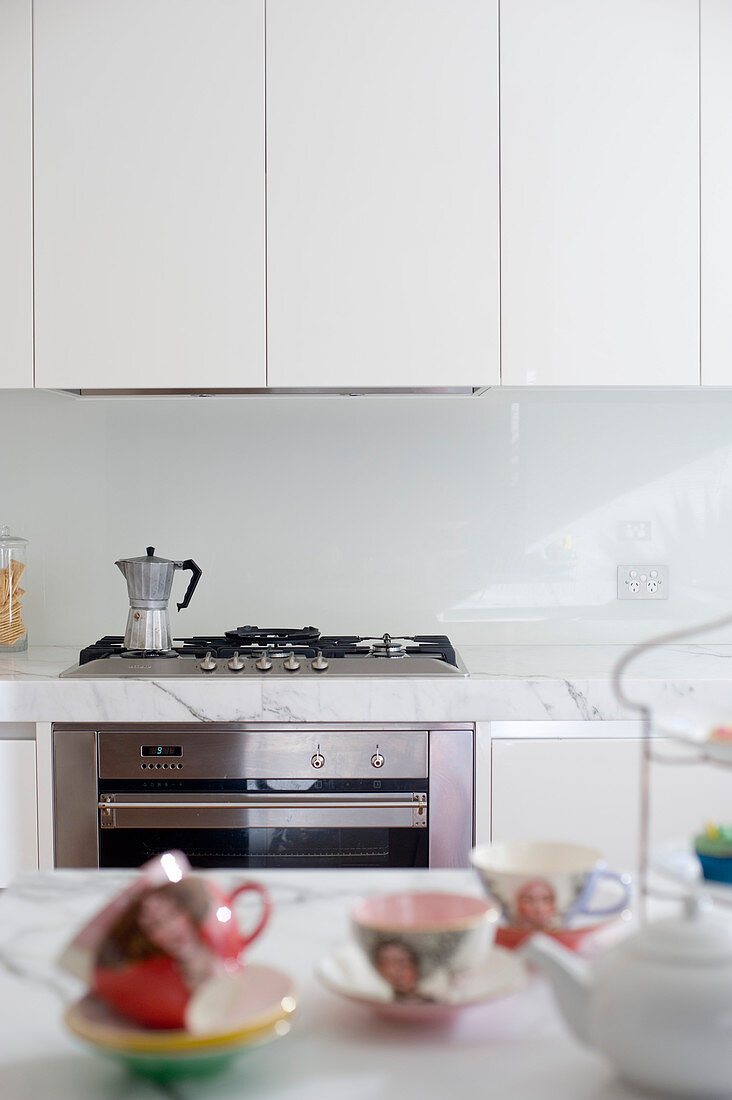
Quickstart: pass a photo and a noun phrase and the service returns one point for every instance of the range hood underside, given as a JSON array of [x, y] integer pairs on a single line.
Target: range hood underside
[[396, 391]]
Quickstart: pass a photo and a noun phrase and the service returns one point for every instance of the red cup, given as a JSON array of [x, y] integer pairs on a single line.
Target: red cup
[[167, 943]]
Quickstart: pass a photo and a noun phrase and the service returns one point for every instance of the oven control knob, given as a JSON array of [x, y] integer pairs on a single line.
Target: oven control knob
[[235, 663], [317, 760], [264, 664], [208, 664], [319, 664], [377, 760], [291, 664]]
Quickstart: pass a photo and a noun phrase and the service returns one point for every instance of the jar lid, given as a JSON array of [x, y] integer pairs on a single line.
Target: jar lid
[[6, 539]]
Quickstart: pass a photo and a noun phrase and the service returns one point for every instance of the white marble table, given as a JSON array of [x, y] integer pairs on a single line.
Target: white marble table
[[514, 1049], [506, 683]]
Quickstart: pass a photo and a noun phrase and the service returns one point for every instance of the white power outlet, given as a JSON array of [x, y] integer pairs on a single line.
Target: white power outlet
[[642, 582]]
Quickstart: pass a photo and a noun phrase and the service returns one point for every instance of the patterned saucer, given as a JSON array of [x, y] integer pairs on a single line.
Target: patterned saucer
[[347, 972]]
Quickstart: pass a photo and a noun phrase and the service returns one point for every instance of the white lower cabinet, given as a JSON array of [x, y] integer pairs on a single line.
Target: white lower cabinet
[[588, 790], [18, 827]]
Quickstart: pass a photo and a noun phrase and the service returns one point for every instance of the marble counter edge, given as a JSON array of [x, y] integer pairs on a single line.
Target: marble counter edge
[[31, 691]]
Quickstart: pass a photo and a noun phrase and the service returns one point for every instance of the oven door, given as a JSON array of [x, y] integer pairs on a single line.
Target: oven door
[[266, 830]]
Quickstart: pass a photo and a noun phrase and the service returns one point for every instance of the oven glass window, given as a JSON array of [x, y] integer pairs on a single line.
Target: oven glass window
[[269, 847]]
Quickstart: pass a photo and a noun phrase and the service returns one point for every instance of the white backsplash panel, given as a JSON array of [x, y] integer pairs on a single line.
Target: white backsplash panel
[[501, 518]]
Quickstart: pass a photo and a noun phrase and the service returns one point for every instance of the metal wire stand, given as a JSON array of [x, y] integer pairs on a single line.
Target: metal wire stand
[[647, 754]]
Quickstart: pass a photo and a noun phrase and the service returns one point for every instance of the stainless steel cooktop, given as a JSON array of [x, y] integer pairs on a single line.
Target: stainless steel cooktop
[[253, 653]]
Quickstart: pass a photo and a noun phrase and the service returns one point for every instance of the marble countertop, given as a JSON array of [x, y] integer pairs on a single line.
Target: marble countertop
[[506, 683], [516, 1047]]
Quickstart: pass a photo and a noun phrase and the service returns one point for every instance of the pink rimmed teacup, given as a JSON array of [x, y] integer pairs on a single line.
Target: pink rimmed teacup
[[417, 942]]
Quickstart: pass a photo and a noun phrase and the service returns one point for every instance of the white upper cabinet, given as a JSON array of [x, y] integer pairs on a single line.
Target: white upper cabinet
[[716, 192], [149, 193], [382, 193], [600, 191], [16, 195]]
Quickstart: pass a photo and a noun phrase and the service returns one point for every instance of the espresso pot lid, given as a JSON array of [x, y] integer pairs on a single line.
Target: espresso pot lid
[[148, 558]]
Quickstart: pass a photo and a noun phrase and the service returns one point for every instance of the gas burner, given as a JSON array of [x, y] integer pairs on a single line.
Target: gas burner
[[277, 637], [147, 654], [386, 646]]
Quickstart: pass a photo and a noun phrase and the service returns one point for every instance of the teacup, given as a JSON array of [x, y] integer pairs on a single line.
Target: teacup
[[418, 942], [542, 885], [169, 940]]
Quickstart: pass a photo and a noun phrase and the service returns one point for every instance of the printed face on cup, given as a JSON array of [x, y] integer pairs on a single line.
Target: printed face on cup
[[398, 964], [535, 905], [166, 943], [165, 922]]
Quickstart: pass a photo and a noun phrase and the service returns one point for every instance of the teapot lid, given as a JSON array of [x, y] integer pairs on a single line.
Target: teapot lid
[[149, 558], [699, 935]]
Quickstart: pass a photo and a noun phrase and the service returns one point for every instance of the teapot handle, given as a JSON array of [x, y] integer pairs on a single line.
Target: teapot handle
[[189, 564]]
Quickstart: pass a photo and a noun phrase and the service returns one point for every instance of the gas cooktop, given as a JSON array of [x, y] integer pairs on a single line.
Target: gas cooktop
[[251, 651]]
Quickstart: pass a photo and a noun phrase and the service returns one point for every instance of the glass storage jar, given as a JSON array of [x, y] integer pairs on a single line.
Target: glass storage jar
[[13, 634]]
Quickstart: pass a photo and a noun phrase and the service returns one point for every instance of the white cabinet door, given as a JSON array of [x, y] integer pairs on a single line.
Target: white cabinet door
[[589, 791], [599, 192], [149, 193], [18, 829], [382, 193], [716, 187], [16, 195]]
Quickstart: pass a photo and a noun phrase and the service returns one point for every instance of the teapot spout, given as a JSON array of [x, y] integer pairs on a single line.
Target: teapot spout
[[570, 980], [121, 565]]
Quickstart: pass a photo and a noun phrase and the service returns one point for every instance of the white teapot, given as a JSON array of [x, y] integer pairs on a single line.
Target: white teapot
[[658, 1005]]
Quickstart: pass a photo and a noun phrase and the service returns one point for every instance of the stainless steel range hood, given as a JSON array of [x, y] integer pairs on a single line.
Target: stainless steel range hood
[[354, 391]]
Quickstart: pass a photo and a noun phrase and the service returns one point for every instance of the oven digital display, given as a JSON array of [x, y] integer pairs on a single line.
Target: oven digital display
[[161, 750]]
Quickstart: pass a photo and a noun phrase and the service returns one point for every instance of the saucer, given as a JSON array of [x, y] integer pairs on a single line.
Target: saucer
[[260, 1003], [573, 938], [346, 971]]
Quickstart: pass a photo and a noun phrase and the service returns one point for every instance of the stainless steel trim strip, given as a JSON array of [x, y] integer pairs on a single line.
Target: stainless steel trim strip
[[452, 781], [76, 836]]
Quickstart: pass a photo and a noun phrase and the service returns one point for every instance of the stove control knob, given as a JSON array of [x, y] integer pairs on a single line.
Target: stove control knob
[[317, 760], [264, 664], [291, 664], [377, 760], [235, 663], [208, 664], [319, 664]]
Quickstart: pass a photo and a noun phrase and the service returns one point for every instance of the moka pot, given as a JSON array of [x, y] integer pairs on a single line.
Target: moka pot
[[149, 583]]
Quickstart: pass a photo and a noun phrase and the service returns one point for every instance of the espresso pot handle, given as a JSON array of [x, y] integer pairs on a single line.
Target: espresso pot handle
[[189, 564]]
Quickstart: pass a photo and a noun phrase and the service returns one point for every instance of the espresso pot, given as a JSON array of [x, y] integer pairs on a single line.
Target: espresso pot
[[149, 583]]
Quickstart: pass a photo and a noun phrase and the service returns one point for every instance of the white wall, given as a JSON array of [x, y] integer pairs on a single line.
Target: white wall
[[492, 518]]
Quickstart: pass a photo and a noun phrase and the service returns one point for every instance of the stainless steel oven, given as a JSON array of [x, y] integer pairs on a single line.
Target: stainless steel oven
[[249, 795]]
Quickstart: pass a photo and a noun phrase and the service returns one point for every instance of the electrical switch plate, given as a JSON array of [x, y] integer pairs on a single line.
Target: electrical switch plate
[[642, 582]]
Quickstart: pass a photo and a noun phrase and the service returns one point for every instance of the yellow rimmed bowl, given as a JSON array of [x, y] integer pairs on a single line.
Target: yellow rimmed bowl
[[165, 1055]]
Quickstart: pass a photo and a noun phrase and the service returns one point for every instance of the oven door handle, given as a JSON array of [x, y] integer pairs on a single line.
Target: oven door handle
[[270, 804], [404, 813]]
